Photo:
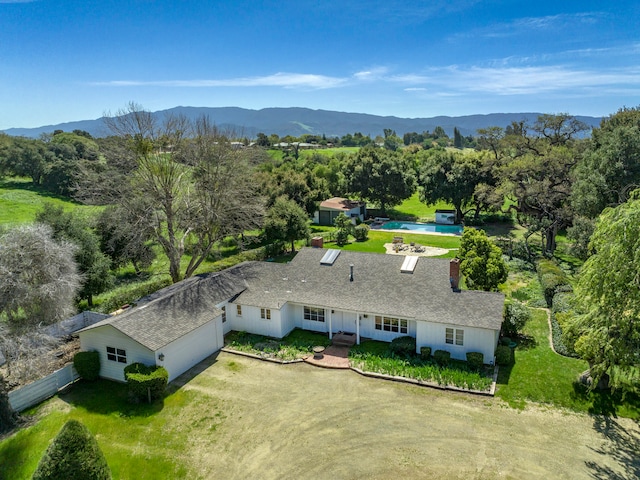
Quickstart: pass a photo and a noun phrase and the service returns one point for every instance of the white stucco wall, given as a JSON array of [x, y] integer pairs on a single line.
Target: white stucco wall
[[100, 338], [185, 352], [475, 340]]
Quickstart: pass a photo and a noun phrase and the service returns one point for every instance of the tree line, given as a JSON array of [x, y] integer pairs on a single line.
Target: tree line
[[184, 186]]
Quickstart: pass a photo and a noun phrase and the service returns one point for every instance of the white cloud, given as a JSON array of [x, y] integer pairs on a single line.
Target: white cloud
[[286, 80]]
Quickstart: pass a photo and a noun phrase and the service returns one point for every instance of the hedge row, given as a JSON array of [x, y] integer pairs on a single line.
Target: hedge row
[[552, 279], [561, 314]]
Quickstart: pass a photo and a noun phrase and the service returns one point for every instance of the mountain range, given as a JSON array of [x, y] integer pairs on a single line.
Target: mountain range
[[297, 121]]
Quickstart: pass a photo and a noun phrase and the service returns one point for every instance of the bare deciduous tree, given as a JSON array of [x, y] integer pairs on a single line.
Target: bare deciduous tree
[[39, 278], [192, 186]]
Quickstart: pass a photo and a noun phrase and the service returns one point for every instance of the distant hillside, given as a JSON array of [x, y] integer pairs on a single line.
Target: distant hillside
[[297, 121]]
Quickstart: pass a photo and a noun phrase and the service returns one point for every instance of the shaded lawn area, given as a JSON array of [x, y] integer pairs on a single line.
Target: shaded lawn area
[[132, 437], [20, 200], [542, 376]]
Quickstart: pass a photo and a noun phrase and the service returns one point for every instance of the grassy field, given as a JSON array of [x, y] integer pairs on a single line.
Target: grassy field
[[413, 209], [242, 418], [20, 200]]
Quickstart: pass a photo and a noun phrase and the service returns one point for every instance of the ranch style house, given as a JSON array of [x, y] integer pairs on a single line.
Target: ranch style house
[[370, 295]]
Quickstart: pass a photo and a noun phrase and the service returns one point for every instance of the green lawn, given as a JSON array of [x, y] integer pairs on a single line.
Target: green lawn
[[542, 376], [377, 239], [412, 208], [20, 200], [103, 407]]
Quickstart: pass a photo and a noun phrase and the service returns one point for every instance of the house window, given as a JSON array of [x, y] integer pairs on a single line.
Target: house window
[[224, 314], [116, 355], [391, 324], [239, 310], [265, 313], [314, 314], [454, 335]]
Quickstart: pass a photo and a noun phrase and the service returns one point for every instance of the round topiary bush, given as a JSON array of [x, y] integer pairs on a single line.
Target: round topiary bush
[[425, 353], [87, 364], [361, 233], [74, 454], [442, 357], [146, 382], [504, 355], [475, 360]]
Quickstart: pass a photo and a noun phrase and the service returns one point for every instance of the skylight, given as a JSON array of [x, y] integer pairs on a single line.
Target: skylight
[[409, 264], [330, 257]]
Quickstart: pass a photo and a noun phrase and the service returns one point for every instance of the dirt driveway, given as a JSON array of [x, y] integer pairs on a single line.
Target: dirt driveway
[[299, 421]]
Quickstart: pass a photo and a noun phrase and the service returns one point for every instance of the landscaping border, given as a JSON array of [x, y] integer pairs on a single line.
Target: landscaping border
[[381, 376]]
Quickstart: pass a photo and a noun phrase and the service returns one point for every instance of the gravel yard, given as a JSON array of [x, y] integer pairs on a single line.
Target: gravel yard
[[300, 421]]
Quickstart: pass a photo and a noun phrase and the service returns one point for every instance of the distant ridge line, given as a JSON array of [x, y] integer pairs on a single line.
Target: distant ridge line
[[296, 121]]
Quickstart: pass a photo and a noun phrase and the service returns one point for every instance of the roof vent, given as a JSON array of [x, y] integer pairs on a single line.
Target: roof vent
[[409, 264], [330, 257], [350, 272]]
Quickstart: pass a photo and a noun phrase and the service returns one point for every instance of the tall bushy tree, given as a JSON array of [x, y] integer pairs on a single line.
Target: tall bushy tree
[[611, 167], [481, 261], [286, 221], [191, 198], [74, 454], [92, 263], [39, 278], [608, 294], [456, 178], [379, 176]]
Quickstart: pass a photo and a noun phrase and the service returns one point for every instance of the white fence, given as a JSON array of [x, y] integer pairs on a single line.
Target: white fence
[[40, 390], [75, 323]]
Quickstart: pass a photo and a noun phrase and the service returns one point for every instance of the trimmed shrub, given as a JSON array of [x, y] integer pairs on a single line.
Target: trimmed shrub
[[552, 277], [361, 233], [74, 454], [87, 364], [425, 353], [405, 346], [342, 237], [475, 360], [146, 382], [442, 357], [516, 315], [504, 355]]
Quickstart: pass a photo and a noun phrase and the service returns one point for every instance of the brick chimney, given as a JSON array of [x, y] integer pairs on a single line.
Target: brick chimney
[[317, 242], [454, 274]]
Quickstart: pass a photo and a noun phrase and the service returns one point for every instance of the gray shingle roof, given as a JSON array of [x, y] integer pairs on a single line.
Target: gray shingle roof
[[379, 287], [172, 312]]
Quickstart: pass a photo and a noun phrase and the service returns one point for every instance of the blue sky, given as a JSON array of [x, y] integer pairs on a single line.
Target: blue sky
[[74, 60]]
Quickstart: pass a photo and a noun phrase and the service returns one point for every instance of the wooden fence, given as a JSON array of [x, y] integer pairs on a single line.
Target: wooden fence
[[34, 393]]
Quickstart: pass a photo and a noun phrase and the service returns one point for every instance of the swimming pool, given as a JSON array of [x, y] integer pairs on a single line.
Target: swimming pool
[[423, 227]]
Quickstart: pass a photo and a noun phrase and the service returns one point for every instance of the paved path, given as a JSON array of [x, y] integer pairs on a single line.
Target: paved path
[[333, 357]]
